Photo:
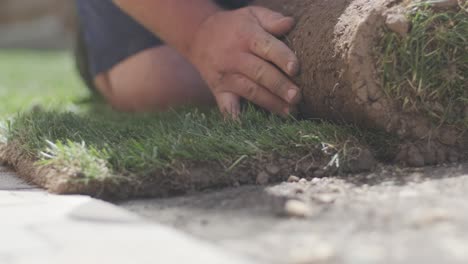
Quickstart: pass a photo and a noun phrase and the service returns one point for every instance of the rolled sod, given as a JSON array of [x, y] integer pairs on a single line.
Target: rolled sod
[[400, 66]]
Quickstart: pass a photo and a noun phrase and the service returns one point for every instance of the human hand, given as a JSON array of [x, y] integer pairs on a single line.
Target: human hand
[[239, 55]]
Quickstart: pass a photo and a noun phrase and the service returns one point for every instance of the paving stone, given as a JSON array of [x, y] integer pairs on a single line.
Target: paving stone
[[99, 211], [36, 227], [16, 241], [131, 243], [9, 181]]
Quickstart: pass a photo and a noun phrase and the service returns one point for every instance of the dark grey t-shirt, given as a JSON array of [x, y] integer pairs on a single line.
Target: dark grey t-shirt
[[110, 36]]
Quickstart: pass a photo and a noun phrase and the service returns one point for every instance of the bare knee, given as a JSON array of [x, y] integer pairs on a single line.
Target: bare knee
[[128, 96], [106, 89], [153, 80]]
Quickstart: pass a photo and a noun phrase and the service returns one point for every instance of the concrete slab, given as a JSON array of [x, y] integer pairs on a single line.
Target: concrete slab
[[9, 181], [37, 227]]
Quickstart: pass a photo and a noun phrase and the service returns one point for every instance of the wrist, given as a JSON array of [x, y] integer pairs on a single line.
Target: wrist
[[203, 15], [174, 21]]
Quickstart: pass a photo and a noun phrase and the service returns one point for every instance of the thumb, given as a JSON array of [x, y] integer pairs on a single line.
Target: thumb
[[273, 22], [229, 105]]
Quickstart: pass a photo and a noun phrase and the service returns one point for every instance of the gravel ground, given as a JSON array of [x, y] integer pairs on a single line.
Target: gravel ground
[[390, 216]]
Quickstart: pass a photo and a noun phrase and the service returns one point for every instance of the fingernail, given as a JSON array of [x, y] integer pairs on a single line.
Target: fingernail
[[292, 93], [293, 68], [277, 16], [236, 113], [287, 18]]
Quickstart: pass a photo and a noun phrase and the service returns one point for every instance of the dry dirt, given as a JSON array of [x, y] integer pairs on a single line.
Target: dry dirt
[[391, 216]]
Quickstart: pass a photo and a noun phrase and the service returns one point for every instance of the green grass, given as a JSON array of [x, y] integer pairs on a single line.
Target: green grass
[[29, 79], [427, 70], [91, 140], [142, 143]]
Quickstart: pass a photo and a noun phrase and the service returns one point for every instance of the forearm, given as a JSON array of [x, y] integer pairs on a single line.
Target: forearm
[[174, 21]]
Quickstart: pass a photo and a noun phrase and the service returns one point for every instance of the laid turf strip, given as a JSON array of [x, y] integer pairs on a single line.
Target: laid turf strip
[[111, 155]]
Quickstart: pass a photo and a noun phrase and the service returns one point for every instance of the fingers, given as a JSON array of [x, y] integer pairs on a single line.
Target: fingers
[[253, 92], [228, 104], [271, 49], [273, 22], [266, 75], [267, 46]]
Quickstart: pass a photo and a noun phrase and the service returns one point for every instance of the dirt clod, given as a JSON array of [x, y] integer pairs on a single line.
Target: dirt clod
[[315, 180], [363, 161], [296, 208], [303, 181], [325, 198], [414, 157], [425, 218], [398, 23], [273, 169], [263, 178], [293, 178]]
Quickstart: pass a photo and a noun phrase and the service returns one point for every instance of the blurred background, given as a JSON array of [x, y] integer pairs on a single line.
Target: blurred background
[[37, 66], [37, 24]]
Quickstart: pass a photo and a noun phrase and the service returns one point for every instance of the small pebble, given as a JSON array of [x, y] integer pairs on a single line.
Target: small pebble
[[298, 191], [272, 169], [415, 177], [303, 181], [322, 253], [430, 217], [315, 180], [326, 198], [398, 23], [295, 208], [293, 178]]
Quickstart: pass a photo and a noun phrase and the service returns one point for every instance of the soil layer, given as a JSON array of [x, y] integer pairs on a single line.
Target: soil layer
[[182, 178]]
